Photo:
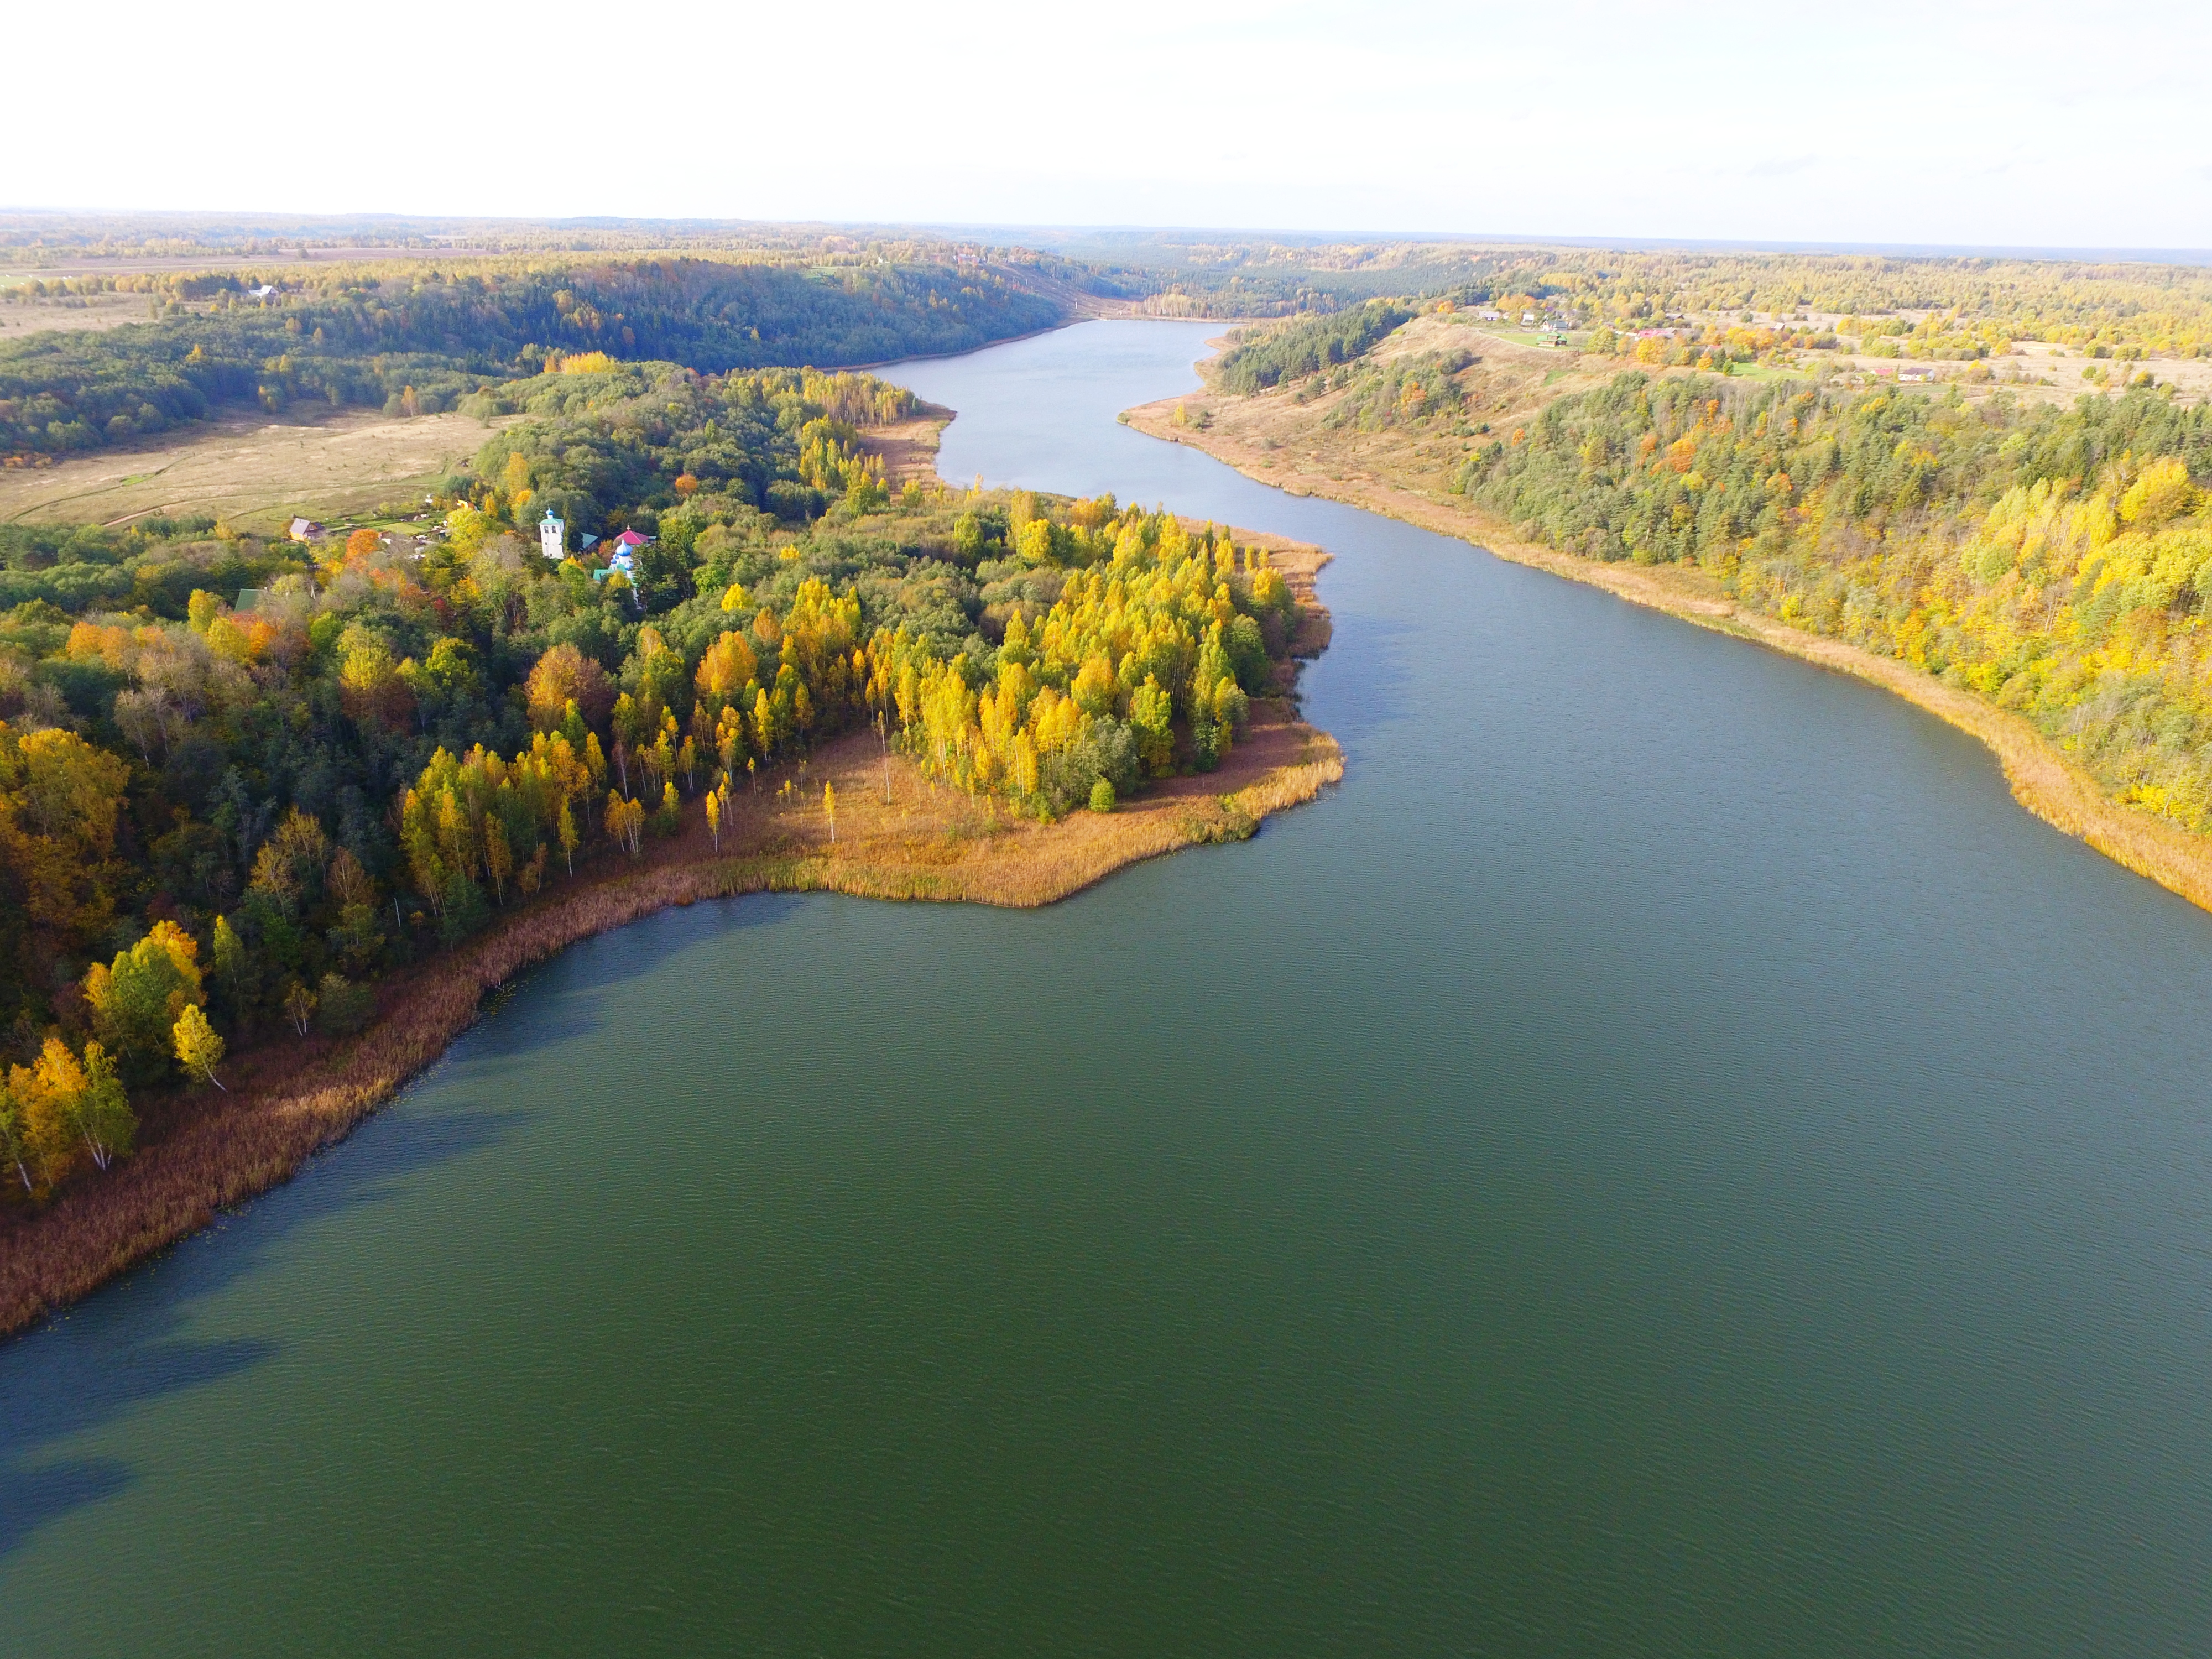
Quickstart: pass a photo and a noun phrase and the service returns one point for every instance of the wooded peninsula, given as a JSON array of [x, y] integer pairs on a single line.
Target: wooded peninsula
[[276, 808]]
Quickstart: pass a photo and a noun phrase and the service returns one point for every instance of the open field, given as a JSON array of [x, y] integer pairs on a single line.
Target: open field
[[85, 313], [24, 263], [253, 472]]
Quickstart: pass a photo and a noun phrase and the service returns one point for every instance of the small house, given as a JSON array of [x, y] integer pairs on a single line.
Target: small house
[[1909, 373], [306, 530]]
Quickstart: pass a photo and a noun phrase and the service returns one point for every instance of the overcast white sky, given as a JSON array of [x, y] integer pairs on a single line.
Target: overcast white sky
[[2023, 124]]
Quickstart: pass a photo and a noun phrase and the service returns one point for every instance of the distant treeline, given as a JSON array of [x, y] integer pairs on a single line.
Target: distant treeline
[[1309, 347], [418, 344], [2153, 309], [306, 242]]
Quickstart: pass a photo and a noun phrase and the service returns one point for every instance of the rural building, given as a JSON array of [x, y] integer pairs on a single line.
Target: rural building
[[306, 530], [623, 555], [552, 535]]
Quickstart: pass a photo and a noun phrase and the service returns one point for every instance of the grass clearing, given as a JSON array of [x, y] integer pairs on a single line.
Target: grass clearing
[[85, 313], [255, 473]]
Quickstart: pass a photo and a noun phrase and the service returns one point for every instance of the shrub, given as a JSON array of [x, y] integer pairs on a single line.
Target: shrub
[[343, 1007]]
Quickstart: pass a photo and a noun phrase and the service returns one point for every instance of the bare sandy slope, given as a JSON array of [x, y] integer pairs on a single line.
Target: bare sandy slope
[[255, 473], [1283, 441], [908, 447]]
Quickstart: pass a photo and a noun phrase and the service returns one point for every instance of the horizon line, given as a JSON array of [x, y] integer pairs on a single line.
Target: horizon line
[[1019, 234]]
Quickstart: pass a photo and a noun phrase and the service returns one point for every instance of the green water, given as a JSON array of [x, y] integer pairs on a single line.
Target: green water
[[1666, 1159]]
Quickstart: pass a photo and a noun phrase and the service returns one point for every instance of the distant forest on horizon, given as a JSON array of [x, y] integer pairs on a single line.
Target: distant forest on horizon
[[413, 315], [417, 341]]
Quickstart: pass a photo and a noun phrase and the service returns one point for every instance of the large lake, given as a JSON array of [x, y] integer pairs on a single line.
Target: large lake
[[1667, 1158]]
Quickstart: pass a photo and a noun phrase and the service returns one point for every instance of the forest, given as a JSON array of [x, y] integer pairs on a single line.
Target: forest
[[2076, 302], [416, 341], [2052, 556], [2056, 560], [1310, 347], [240, 780], [2156, 308]]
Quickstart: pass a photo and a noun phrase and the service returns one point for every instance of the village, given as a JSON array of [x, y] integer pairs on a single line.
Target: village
[[604, 558]]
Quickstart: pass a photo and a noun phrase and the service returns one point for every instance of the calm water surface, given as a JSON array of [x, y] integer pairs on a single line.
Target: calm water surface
[[1666, 1159]]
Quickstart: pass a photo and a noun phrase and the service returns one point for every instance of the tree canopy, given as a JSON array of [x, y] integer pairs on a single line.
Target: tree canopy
[[420, 342], [2056, 560], [241, 779]]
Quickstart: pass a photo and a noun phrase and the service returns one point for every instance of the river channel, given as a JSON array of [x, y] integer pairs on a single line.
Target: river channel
[[1666, 1159]]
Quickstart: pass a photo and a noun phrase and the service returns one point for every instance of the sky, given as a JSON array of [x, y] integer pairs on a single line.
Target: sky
[[1967, 124]]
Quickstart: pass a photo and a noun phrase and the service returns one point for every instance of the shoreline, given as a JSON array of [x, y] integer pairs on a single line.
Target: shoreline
[[898, 836], [2043, 779]]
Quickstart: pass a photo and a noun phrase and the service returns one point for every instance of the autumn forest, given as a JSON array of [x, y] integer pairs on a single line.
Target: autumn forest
[[242, 779]]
